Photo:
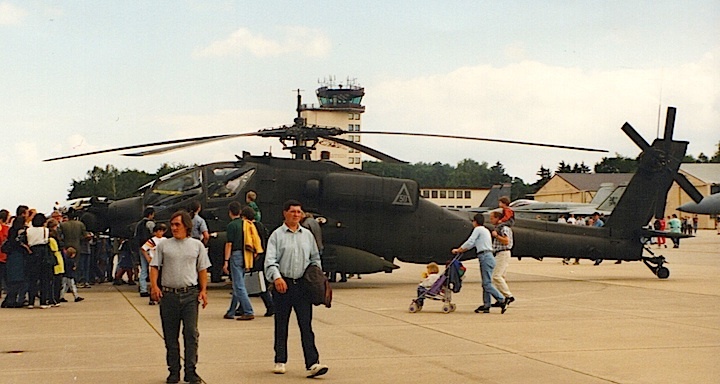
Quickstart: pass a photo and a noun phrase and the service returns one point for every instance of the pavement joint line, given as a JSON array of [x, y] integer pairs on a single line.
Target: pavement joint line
[[135, 308], [493, 346]]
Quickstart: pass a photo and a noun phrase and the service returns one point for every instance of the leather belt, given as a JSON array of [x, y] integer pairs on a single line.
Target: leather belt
[[179, 290]]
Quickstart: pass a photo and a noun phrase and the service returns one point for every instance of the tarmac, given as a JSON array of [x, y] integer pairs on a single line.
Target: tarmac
[[570, 324]]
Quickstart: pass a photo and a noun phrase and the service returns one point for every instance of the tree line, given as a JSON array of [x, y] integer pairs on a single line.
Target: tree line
[[115, 184]]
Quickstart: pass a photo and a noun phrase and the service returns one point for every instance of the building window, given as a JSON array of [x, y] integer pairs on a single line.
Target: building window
[[451, 194], [351, 160], [458, 194], [467, 195], [350, 116], [350, 127], [426, 194], [325, 155], [357, 116], [357, 160], [443, 194], [357, 127], [356, 138], [434, 194]]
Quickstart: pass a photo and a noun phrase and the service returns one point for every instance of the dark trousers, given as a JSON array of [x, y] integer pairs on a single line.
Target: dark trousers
[[57, 292], [46, 278], [32, 277], [3, 279], [177, 308], [83, 268], [14, 291], [294, 298]]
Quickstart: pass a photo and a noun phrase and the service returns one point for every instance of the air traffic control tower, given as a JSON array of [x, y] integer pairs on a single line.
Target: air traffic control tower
[[339, 106]]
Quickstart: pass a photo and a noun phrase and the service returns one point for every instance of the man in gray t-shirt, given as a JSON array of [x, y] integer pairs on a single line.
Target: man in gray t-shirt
[[184, 262]]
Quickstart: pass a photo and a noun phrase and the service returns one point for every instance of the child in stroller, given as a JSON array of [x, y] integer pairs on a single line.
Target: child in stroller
[[436, 286]]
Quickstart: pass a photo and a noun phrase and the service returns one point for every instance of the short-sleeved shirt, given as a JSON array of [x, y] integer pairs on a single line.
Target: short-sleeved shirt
[[504, 231], [150, 246], [235, 234], [199, 227], [180, 261]]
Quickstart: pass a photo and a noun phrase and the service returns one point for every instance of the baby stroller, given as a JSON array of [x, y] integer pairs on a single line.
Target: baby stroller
[[448, 283]]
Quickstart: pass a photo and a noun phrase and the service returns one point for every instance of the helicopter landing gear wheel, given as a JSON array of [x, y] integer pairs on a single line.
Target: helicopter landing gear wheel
[[656, 266]]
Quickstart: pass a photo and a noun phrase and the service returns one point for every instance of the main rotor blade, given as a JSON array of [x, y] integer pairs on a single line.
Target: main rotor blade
[[367, 150], [137, 146], [480, 139], [190, 144]]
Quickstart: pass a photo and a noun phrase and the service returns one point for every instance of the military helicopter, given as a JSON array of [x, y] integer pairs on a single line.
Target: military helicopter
[[369, 221]]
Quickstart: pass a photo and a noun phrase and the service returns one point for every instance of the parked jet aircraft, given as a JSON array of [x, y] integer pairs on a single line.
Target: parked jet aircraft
[[709, 205]]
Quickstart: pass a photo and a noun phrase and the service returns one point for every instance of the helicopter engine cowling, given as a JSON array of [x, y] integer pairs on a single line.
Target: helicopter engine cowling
[[363, 191], [124, 213]]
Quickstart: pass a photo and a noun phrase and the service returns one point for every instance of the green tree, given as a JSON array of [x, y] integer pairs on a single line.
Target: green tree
[[112, 183], [563, 168], [716, 156], [497, 175], [689, 159], [468, 173], [617, 164], [520, 190], [582, 168], [544, 175]]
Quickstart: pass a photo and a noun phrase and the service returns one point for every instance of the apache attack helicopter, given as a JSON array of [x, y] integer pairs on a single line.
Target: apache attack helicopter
[[369, 221]]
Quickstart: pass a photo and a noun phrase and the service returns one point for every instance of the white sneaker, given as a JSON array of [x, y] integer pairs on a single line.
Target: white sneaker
[[317, 369], [279, 368]]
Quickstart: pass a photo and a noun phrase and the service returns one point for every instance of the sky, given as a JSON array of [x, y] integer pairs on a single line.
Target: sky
[[79, 76]]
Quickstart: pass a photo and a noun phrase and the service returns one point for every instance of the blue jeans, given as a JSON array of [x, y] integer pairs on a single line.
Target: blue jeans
[[177, 309], [240, 295], [487, 265], [143, 274]]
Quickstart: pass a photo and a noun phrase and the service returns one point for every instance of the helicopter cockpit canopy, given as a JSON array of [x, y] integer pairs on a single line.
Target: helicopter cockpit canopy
[[178, 187], [226, 181]]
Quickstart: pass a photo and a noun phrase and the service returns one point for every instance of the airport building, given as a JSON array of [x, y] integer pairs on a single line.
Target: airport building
[[581, 188], [338, 106], [455, 197]]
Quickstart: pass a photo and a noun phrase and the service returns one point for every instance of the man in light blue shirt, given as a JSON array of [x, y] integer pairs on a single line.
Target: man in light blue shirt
[[290, 250], [481, 240]]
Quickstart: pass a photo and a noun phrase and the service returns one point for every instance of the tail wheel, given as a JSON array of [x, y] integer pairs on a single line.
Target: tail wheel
[[662, 273]]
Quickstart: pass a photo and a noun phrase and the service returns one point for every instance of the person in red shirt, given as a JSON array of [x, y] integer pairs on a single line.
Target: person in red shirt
[[508, 217], [4, 228]]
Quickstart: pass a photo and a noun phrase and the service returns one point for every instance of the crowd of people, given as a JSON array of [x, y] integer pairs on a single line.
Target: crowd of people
[[42, 259]]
